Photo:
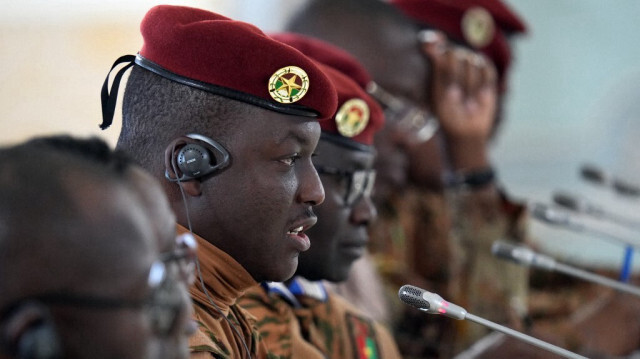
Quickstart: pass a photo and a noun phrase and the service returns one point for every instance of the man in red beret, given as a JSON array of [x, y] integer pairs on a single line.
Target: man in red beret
[[442, 209], [302, 318], [228, 119]]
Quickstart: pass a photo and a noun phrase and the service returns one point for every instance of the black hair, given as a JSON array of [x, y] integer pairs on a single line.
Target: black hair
[[41, 186], [357, 26], [156, 110], [92, 149]]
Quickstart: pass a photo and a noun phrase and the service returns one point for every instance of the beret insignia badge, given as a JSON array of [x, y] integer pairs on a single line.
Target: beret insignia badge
[[477, 27], [289, 84], [352, 117]]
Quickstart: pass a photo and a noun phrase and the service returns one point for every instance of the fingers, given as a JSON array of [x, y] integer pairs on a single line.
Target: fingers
[[433, 42]]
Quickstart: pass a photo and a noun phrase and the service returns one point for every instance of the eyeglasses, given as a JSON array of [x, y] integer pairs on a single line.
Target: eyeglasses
[[419, 125], [164, 304], [359, 183], [185, 255]]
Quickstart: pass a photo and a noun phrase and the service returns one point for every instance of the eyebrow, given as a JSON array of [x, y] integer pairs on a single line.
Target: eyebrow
[[295, 136]]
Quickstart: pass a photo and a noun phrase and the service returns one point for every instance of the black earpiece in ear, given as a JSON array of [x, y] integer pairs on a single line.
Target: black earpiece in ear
[[194, 159], [198, 159]]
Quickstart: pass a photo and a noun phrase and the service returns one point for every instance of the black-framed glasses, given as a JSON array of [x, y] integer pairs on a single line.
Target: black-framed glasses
[[418, 124], [359, 183], [164, 303]]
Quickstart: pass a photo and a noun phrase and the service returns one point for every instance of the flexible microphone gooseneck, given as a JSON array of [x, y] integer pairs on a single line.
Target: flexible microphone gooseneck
[[581, 205], [527, 257], [434, 304], [596, 175], [564, 220]]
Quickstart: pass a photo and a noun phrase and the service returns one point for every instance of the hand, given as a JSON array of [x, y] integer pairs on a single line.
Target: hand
[[464, 99]]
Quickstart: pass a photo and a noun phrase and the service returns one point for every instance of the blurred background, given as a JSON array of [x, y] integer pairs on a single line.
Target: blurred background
[[574, 93]]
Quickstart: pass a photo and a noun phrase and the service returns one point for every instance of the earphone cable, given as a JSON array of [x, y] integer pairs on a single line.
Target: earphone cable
[[204, 289]]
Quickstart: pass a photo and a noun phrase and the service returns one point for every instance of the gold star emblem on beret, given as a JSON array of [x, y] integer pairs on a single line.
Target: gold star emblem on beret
[[478, 27], [289, 84], [352, 117]]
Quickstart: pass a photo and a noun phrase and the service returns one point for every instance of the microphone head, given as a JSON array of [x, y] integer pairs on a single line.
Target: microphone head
[[549, 215], [593, 174], [571, 202], [413, 296], [512, 252], [625, 188], [430, 302]]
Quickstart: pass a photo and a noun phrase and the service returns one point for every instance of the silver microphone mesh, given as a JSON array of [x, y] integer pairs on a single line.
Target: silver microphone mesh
[[413, 296]]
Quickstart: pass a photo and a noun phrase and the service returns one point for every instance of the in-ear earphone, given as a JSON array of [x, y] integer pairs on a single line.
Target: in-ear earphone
[[198, 159]]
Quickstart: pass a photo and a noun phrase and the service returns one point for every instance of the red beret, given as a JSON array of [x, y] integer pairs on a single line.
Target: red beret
[[480, 24], [234, 59], [327, 54], [359, 116]]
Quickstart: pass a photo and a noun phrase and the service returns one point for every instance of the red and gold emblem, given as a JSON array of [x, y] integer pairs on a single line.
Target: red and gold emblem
[[477, 27], [352, 117], [289, 84]]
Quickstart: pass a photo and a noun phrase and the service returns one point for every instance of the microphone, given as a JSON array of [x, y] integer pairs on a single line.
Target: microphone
[[577, 204], [434, 304], [596, 175], [555, 217], [526, 257], [581, 205]]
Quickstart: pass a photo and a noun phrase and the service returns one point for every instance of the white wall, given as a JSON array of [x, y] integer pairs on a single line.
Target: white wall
[[574, 88]]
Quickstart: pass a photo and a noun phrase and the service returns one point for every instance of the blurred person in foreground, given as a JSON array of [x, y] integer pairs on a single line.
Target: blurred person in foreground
[[227, 119], [90, 265], [440, 204], [302, 317]]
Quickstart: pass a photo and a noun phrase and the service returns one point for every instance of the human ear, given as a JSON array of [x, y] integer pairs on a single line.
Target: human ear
[[29, 332]]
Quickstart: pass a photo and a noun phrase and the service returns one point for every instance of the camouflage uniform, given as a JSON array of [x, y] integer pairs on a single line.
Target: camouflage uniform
[[442, 243], [305, 320], [224, 280]]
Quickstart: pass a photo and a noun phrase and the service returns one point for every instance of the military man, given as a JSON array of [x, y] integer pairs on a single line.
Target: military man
[[441, 210], [227, 118], [302, 317]]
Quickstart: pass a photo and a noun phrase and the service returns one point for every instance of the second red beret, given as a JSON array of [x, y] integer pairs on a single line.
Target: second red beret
[[359, 116]]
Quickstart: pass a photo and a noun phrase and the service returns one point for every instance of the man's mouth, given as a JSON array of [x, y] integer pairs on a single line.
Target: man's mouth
[[296, 231]]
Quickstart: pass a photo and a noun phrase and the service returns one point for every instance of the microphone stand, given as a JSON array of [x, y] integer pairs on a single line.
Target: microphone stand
[[527, 257], [434, 304]]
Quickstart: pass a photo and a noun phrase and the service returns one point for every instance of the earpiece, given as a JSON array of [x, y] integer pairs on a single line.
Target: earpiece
[[198, 159], [28, 332]]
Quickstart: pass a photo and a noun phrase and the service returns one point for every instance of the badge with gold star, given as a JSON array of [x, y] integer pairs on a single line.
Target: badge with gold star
[[352, 117], [477, 27], [289, 84]]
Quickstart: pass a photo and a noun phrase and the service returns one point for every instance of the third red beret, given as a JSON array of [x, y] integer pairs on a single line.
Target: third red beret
[[483, 25]]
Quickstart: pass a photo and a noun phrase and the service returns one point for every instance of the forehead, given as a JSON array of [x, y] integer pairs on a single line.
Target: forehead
[[400, 66], [334, 155], [278, 129], [118, 241]]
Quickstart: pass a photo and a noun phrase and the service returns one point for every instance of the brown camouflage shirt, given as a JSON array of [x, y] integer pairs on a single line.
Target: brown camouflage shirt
[[303, 320], [224, 329]]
